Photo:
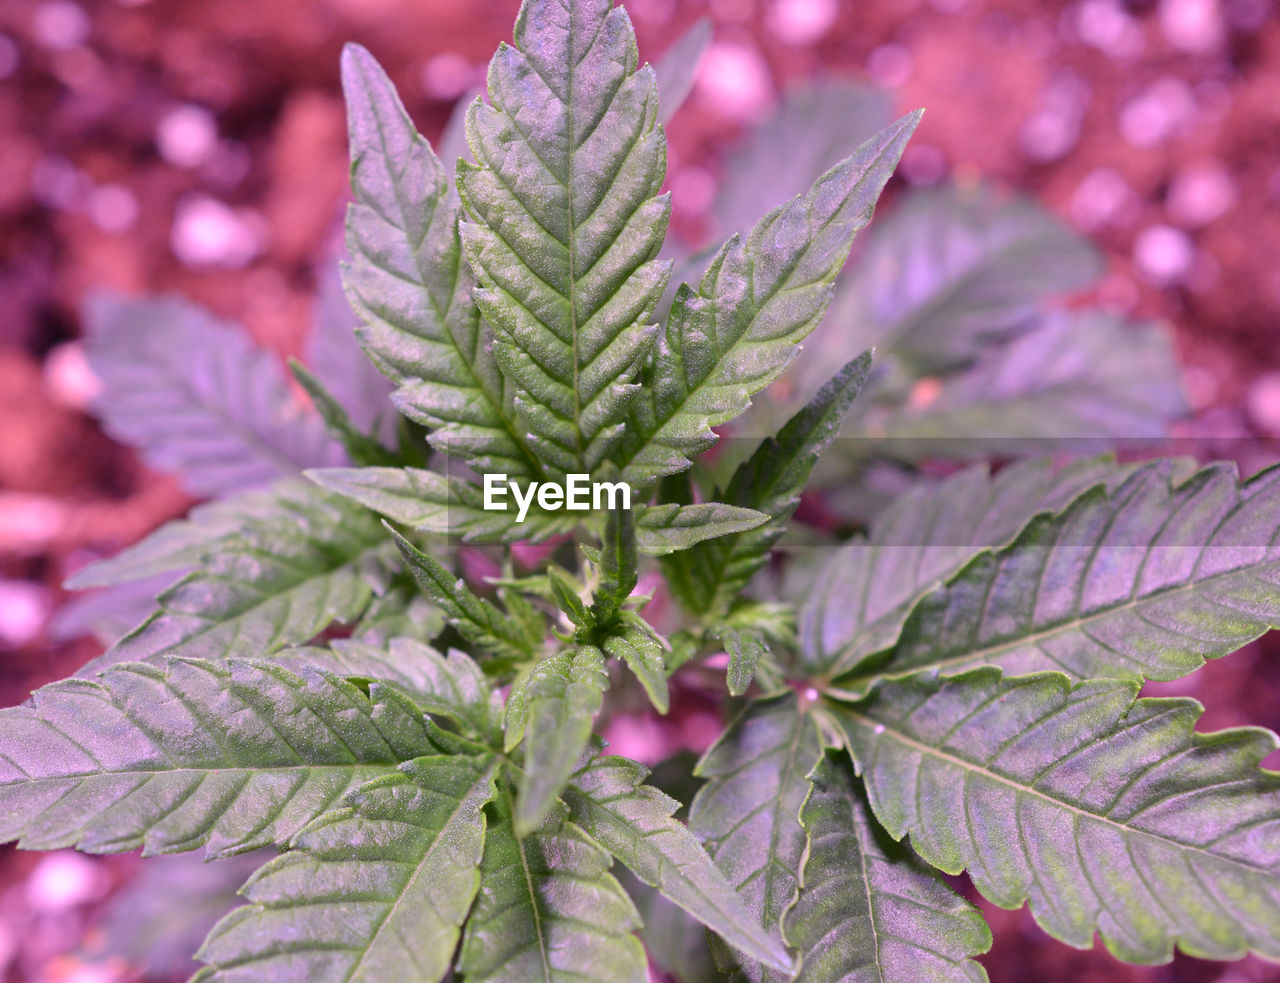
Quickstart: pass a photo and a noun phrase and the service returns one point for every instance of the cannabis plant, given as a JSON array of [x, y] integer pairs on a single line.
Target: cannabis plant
[[392, 669]]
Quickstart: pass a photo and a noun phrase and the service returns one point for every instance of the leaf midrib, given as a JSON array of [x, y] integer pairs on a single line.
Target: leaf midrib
[[463, 802], [990, 651], [871, 723]]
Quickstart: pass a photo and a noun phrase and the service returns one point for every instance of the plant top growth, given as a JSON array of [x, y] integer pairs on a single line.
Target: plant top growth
[[952, 687]]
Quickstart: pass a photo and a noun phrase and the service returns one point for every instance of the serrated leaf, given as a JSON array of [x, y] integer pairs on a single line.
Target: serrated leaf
[[548, 910], [1086, 378], [231, 756], [678, 67], [618, 564], [815, 127], [633, 821], [634, 643], [1106, 814], [450, 685], [476, 619], [952, 269], [562, 697], [865, 591], [566, 222], [748, 813], [708, 577], [374, 890], [438, 503], [869, 910], [1146, 582], [196, 397], [409, 284], [310, 560], [734, 334], [668, 528]]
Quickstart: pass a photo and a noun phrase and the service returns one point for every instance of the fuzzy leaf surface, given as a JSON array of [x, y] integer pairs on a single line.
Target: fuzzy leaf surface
[[231, 756], [870, 911], [478, 621], [450, 685], [197, 397], [1107, 814], [409, 284], [566, 222], [633, 821], [748, 813], [373, 891], [735, 333], [548, 910], [311, 560], [668, 528], [634, 643], [563, 695], [438, 503], [1149, 581], [866, 590]]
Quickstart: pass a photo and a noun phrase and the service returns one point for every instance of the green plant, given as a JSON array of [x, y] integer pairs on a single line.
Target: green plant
[[954, 688]]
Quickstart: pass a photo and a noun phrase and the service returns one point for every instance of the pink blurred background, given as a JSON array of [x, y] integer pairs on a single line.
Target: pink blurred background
[[199, 148]]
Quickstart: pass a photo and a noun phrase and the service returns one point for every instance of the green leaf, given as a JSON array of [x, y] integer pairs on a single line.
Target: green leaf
[[734, 334], [633, 821], [360, 446], [663, 529], [709, 577], [566, 222], [1147, 582], [477, 620], [1086, 377], [618, 565], [563, 695], [196, 397], [565, 593], [865, 591], [678, 67], [869, 908], [410, 285], [312, 559], [451, 685], [635, 643], [233, 756], [548, 910], [748, 813], [375, 890], [1107, 814], [745, 647], [438, 503]]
